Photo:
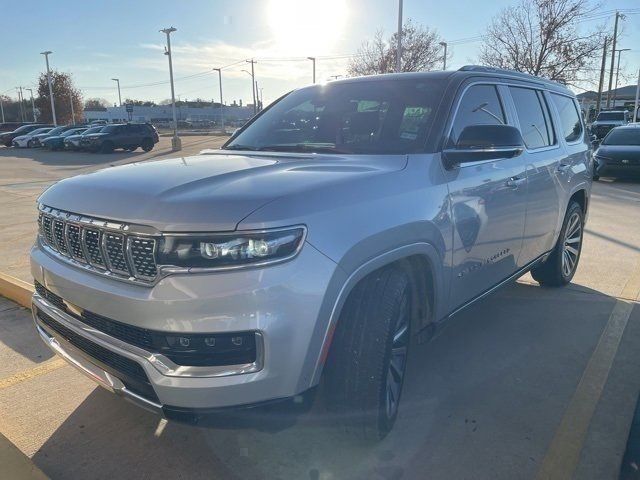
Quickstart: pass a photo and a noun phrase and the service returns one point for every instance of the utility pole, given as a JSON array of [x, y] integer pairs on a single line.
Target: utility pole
[[258, 96], [176, 144], [19, 90], [261, 97], [444, 57], [53, 106], [219, 70], [635, 112], [601, 84], [615, 90], [253, 85], [117, 80], [613, 56], [33, 106], [313, 59], [399, 47], [73, 113], [2, 108]]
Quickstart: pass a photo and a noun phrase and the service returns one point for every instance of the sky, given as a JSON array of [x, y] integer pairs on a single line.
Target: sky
[[97, 40]]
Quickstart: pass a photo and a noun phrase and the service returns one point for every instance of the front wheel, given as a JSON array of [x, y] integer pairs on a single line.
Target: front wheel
[[366, 366], [107, 147], [30, 144], [561, 266]]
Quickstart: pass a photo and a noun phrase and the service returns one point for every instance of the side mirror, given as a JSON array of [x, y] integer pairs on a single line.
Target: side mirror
[[595, 142], [484, 142]]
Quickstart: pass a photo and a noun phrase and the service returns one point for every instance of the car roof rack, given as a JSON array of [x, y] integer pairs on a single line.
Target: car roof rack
[[504, 71]]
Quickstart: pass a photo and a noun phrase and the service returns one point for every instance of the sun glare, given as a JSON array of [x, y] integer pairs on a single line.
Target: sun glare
[[307, 27]]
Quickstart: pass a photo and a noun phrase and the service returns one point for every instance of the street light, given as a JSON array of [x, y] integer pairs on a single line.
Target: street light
[[176, 144], [615, 91], [53, 106], [117, 80], [444, 57], [399, 47], [313, 59], [253, 86], [33, 106], [219, 70]]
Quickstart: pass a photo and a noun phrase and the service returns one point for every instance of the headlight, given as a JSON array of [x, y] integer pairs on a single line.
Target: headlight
[[232, 250]]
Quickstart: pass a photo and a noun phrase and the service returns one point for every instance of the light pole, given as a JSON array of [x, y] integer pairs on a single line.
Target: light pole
[[2, 108], [635, 112], [33, 106], [444, 57], [615, 93], [176, 144], [253, 85], [399, 47], [53, 106], [313, 59], [73, 113], [19, 90], [219, 70], [117, 80]]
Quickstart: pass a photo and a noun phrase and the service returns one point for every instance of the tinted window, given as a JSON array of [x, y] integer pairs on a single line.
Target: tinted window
[[623, 136], [533, 115], [480, 105], [570, 125], [381, 116]]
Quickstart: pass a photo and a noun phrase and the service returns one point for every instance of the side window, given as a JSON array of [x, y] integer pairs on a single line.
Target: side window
[[533, 114], [480, 105], [570, 125]]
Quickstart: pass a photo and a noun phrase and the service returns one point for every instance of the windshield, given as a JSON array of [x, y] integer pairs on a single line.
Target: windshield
[[93, 130], [374, 117], [39, 130], [74, 131], [57, 130], [623, 136], [611, 116]]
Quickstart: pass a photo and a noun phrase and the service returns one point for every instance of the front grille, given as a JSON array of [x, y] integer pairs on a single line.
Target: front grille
[[129, 372], [101, 244]]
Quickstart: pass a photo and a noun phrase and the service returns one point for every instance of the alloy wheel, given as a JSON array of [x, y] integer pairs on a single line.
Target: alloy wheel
[[398, 359], [572, 243]]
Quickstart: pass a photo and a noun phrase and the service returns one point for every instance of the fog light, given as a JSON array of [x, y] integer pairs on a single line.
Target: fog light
[[184, 341], [210, 341]]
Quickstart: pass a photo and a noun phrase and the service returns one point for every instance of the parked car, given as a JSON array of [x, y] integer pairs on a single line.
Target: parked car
[[619, 151], [11, 126], [608, 119], [128, 136], [341, 222], [7, 138], [26, 140], [72, 142], [56, 142], [37, 139]]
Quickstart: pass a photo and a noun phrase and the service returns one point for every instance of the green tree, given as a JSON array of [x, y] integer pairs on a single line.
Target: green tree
[[64, 93]]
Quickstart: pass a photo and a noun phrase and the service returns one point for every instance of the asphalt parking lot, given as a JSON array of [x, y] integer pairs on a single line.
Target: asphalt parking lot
[[530, 383]]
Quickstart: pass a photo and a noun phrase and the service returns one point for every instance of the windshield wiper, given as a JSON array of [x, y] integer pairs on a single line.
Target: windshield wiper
[[302, 147], [239, 147]]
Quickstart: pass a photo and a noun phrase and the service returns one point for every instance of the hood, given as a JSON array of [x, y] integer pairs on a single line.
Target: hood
[[212, 191], [619, 152]]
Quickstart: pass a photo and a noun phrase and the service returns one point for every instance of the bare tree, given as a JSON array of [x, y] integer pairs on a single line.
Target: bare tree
[[420, 52], [542, 37]]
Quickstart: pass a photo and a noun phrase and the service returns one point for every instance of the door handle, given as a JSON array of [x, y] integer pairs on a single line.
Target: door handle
[[563, 168], [515, 182]]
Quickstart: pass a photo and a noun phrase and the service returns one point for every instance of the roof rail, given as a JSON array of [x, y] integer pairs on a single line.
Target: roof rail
[[504, 71]]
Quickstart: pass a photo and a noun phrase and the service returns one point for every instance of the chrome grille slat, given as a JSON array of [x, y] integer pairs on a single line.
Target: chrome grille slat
[[98, 245]]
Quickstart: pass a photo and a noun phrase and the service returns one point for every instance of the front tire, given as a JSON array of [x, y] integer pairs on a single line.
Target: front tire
[[366, 366], [106, 147], [147, 145], [561, 266]]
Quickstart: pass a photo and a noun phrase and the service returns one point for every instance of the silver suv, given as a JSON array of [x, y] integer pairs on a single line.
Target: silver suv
[[341, 223]]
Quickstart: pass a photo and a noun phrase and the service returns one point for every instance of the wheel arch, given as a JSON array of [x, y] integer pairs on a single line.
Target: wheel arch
[[420, 260]]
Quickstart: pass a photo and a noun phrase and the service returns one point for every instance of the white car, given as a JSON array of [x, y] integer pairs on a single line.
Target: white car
[[27, 140]]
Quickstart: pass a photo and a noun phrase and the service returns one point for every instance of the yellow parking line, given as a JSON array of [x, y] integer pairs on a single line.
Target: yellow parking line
[[563, 453], [41, 369]]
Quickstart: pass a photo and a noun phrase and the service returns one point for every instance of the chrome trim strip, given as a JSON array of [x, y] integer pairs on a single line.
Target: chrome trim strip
[[72, 356], [160, 362]]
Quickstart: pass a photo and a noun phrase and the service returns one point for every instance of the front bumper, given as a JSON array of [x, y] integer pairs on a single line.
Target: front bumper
[[281, 303]]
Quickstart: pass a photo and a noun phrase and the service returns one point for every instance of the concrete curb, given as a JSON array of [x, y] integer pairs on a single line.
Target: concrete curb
[[15, 289], [15, 464]]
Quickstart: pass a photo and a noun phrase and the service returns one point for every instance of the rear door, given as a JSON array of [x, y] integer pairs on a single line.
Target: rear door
[[487, 202], [543, 156]]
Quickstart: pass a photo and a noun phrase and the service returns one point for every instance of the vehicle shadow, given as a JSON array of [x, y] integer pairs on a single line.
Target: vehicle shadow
[[61, 158], [18, 333], [491, 384]]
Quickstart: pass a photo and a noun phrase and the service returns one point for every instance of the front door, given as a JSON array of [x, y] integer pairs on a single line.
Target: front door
[[487, 202]]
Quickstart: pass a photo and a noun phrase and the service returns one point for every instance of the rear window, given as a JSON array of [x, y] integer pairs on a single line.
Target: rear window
[[611, 116], [368, 117], [570, 125], [623, 136]]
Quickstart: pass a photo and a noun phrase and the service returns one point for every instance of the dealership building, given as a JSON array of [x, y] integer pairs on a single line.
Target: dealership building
[[163, 113]]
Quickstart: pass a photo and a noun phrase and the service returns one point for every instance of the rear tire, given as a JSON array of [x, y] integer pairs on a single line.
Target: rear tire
[[147, 145], [106, 147], [366, 366], [560, 267]]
